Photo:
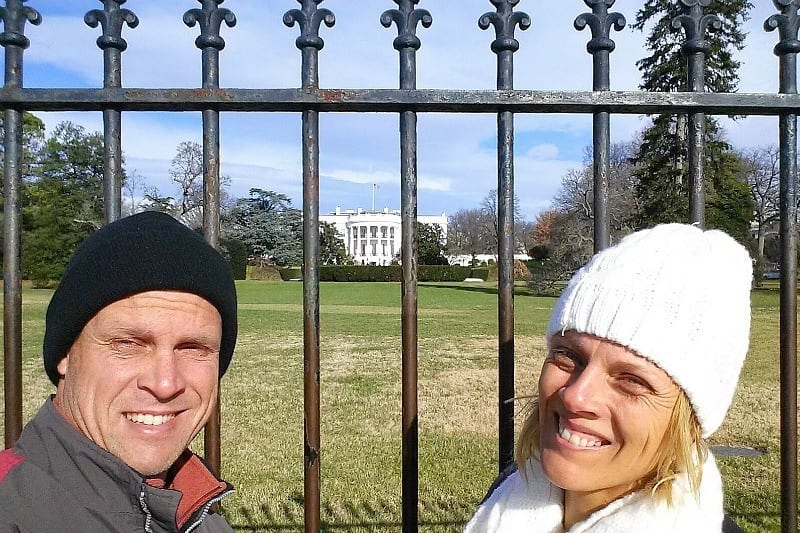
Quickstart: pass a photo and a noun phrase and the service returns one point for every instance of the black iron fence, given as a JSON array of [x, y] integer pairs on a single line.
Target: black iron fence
[[407, 101]]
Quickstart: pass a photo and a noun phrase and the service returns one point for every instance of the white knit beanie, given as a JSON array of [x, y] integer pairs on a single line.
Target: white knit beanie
[[676, 295]]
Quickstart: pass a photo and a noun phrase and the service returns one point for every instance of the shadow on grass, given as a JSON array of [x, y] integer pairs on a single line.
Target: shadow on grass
[[376, 515]]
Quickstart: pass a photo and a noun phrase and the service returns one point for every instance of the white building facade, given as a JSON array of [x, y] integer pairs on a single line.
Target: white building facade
[[374, 237]]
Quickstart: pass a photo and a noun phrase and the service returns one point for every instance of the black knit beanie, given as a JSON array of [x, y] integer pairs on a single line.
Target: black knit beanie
[[148, 251]]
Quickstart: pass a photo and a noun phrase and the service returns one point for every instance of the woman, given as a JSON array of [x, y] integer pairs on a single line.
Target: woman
[[645, 346]]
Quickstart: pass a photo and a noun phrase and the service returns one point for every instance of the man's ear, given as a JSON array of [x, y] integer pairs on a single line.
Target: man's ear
[[63, 365]]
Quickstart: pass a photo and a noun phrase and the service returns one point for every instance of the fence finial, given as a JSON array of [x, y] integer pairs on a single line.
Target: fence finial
[[505, 20], [406, 18], [111, 18], [600, 21], [695, 24], [210, 18], [14, 16], [309, 18], [787, 23]]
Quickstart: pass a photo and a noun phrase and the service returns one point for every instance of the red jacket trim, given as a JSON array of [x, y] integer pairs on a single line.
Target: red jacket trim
[[8, 460]]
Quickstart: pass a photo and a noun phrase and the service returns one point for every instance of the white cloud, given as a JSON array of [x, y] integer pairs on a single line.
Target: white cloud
[[457, 155]]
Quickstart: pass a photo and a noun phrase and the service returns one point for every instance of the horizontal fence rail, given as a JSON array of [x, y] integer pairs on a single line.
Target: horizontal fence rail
[[310, 100], [398, 101]]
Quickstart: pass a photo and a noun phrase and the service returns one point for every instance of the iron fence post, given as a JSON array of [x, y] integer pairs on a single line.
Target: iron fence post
[[210, 18], [310, 18], [600, 21], [787, 48], [695, 24], [505, 21], [14, 16], [406, 18], [112, 18]]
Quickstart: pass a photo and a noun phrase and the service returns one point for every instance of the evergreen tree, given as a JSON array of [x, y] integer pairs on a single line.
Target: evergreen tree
[[662, 189], [430, 244], [62, 200], [332, 250]]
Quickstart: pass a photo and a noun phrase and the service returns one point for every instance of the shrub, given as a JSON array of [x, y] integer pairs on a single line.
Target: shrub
[[442, 273], [290, 273], [480, 272], [263, 273]]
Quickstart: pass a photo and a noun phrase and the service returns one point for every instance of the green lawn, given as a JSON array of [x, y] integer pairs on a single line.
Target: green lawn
[[262, 402]]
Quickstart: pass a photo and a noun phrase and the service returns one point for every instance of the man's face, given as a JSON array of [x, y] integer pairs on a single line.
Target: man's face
[[141, 379]]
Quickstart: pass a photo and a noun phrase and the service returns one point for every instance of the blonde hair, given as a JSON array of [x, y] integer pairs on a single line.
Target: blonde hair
[[682, 451]]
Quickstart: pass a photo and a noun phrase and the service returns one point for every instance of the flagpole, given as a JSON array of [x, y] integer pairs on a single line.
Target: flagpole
[[373, 197]]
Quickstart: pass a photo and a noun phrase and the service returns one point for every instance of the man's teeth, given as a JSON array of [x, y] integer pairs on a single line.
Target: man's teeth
[[576, 440], [148, 419]]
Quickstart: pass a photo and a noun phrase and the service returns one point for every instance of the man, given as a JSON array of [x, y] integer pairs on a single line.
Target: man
[[139, 331]]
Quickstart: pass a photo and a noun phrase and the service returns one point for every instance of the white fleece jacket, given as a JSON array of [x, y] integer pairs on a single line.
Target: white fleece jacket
[[536, 506]]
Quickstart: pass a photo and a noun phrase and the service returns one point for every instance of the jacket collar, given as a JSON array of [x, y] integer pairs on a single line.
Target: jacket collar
[[102, 480]]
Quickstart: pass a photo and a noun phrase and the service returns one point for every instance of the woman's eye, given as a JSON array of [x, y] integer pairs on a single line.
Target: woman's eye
[[633, 384], [564, 360]]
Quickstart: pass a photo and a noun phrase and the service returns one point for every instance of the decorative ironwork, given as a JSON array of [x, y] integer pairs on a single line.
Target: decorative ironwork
[[210, 18], [112, 18], [787, 24], [696, 24], [505, 20], [406, 18], [600, 21], [14, 16], [309, 18]]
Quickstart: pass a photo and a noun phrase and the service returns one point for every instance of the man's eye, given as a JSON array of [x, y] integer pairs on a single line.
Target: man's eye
[[125, 346]]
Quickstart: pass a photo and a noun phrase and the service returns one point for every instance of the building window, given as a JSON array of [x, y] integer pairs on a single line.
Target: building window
[[373, 231], [363, 248], [374, 249], [391, 232], [363, 232], [383, 232]]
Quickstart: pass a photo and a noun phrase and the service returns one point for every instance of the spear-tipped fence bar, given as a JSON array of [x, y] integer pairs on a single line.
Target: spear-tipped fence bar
[[505, 20], [407, 101], [787, 48], [309, 18], [406, 18]]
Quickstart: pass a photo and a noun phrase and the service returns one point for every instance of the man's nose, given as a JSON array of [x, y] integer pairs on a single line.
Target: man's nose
[[163, 377]]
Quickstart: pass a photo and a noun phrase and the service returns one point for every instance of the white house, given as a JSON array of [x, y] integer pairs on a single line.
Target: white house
[[373, 237]]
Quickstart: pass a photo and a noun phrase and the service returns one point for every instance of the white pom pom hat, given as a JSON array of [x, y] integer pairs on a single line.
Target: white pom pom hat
[[676, 295]]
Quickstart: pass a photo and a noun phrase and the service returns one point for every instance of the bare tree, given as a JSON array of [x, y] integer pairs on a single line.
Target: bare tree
[[571, 230], [491, 220], [133, 184], [761, 167], [186, 170], [467, 233]]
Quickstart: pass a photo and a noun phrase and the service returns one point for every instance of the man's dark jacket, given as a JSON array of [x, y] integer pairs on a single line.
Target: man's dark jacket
[[55, 479]]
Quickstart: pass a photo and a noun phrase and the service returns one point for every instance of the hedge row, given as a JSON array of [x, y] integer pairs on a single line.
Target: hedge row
[[388, 273]]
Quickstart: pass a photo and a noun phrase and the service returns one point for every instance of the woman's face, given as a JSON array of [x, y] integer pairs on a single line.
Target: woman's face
[[603, 412]]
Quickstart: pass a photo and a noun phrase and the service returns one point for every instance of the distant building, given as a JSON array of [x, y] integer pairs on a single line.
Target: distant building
[[373, 237]]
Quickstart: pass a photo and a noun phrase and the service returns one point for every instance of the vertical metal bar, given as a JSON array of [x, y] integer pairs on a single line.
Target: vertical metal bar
[[112, 44], [600, 21], [504, 45], [210, 19], [695, 23], [787, 48], [13, 39], [309, 18], [407, 43]]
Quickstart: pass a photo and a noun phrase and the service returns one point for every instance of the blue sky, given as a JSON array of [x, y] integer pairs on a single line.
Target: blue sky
[[457, 155]]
